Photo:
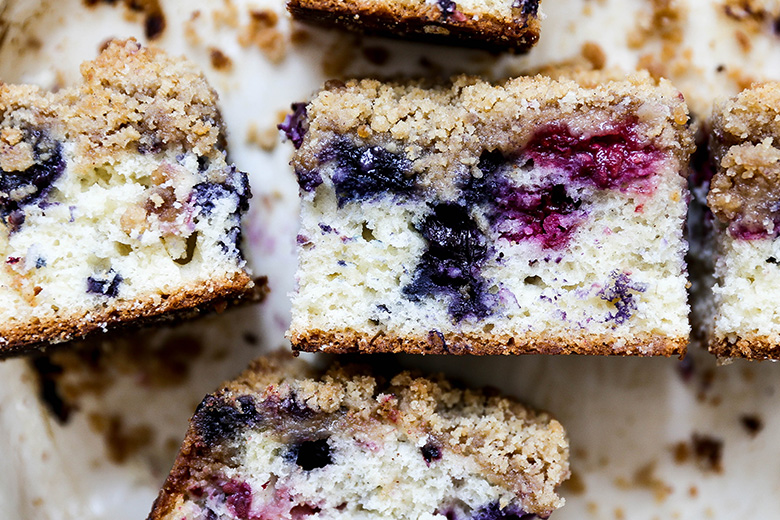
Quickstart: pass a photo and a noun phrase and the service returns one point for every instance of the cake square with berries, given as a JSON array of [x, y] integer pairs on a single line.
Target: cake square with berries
[[287, 441], [745, 151], [117, 204], [491, 24], [541, 215]]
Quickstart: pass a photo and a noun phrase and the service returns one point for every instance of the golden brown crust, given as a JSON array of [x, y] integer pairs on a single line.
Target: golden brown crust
[[425, 23], [488, 344], [213, 295], [755, 347]]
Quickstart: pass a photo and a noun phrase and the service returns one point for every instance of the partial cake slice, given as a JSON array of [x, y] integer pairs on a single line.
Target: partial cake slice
[[287, 441], [745, 198], [540, 215], [116, 201], [492, 24]]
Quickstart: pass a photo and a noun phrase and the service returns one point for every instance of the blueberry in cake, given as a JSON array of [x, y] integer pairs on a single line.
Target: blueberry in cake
[[540, 215], [492, 24], [116, 201], [744, 195], [287, 441]]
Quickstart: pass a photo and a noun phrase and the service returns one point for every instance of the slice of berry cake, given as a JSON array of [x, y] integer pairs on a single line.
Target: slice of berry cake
[[286, 441], [537, 216], [116, 201], [491, 24], [744, 195]]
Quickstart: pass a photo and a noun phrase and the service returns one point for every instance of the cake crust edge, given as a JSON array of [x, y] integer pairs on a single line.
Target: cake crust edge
[[488, 32], [344, 342], [212, 295]]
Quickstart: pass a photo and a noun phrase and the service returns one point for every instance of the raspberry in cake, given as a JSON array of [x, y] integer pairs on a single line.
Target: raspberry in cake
[[116, 201], [287, 441], [491, 24], [743, 196], [537, 216]]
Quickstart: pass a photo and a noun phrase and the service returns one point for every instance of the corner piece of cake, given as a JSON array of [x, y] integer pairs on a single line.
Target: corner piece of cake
[[117, 204], [287, 441], [537, 216], [491, 24], [744, 195]]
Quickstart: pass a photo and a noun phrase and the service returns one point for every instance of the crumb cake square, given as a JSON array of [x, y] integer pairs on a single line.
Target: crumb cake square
[[117, 204], [492, 24], [743, 197], [537, 216], [287, 441]]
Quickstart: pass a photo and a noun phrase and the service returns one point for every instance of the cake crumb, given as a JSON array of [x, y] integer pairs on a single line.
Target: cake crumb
[[593, 52], [219, 60], [266, 139], [708, 451], [262, 33], [154, 17], [752, 423], [190, 32], [228, 16]]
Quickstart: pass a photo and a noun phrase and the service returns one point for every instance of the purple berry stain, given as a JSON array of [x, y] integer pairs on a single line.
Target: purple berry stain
[[239, 498], [295, 124], [614, 159], [21, 188], [621, 292], [546, 214], [365, 172], [451, 265]]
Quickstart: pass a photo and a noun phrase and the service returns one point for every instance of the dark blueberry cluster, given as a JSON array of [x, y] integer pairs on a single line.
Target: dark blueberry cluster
[[430, 452], [309, 455], [21, 188], [295, 124], [621, 292], [614, 159], [308, 180], [494, 512], [451, 264], [447, 7], [364, 172], [236, 186], [216, 419], [108, 286]]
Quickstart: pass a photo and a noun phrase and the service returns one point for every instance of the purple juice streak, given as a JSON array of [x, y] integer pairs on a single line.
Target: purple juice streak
[[615, 159], [548, 215], [621, 292]]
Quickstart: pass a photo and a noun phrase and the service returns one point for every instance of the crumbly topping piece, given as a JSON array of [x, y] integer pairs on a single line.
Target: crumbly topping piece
[[524, 450], [444, 130], [132, 99], [746, 153]]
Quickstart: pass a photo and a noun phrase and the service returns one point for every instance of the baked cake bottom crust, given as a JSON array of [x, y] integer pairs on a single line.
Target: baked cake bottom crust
[[212, 295], [473, 344]]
